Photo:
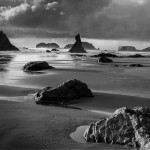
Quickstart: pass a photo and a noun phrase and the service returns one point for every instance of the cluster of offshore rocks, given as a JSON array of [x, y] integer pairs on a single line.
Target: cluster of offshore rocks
[[125, 127], [77, 47], [106, 58], [132, 49]]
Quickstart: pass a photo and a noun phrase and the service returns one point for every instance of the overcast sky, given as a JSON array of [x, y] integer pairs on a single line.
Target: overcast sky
[[102, 19]]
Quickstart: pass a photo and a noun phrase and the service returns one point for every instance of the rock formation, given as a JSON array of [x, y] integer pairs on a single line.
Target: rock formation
[[125, 127], [48, 45], [54, 50], [5, 44], [77, 47], [37, 66], [136, 65], [72, 89], [136, 56], [104, 59], [127, 49], [48, 51], [105, 55], [86, 45], [146, 49], [68, 46]]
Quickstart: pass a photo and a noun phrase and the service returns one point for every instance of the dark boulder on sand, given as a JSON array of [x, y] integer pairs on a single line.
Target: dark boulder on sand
[[5, 44], [37, 66], [72, 89], [77, 47], [125, 127], [104, 59]]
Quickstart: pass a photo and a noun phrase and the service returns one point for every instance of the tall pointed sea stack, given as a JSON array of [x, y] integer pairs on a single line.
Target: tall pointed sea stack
[[77, 47], [5, 44]]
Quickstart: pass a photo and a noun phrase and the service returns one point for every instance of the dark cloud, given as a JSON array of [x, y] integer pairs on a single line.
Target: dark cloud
[[110, 19]]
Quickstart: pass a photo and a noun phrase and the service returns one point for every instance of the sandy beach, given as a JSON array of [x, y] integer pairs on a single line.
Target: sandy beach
[[74, 74], [25, 125]]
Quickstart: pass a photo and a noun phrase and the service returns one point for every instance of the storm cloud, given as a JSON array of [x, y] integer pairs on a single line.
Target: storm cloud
[[105, 19]]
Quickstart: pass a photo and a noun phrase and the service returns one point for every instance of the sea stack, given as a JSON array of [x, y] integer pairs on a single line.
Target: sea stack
[[77, 47], [5, 44]]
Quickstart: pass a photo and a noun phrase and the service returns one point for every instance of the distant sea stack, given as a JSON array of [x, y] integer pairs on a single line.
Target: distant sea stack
[[146, 49], [48, 45], [127, 49], [77, 47], [86, 45], [5, 44]]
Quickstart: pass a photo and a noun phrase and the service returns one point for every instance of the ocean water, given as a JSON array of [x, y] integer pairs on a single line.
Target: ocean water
[[100, 77]]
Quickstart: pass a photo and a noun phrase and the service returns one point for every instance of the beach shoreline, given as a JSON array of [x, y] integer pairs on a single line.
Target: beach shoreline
[[26, 125]]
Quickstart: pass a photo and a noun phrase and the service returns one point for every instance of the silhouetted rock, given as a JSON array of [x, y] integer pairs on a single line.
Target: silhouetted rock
[[136, 56], [77, 47], [104, 59], [41, 45], [146, 49], [48, 45], [54, 50], [72, 89], [127, 49], [89, 46], [125, 127], [5, 44], [68, 46], [136, 65], [37, 66], [105, 55], [48, 51], [85, 45]]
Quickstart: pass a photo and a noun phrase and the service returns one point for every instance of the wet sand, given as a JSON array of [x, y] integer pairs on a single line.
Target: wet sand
[[29, 126], [25, 125]]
